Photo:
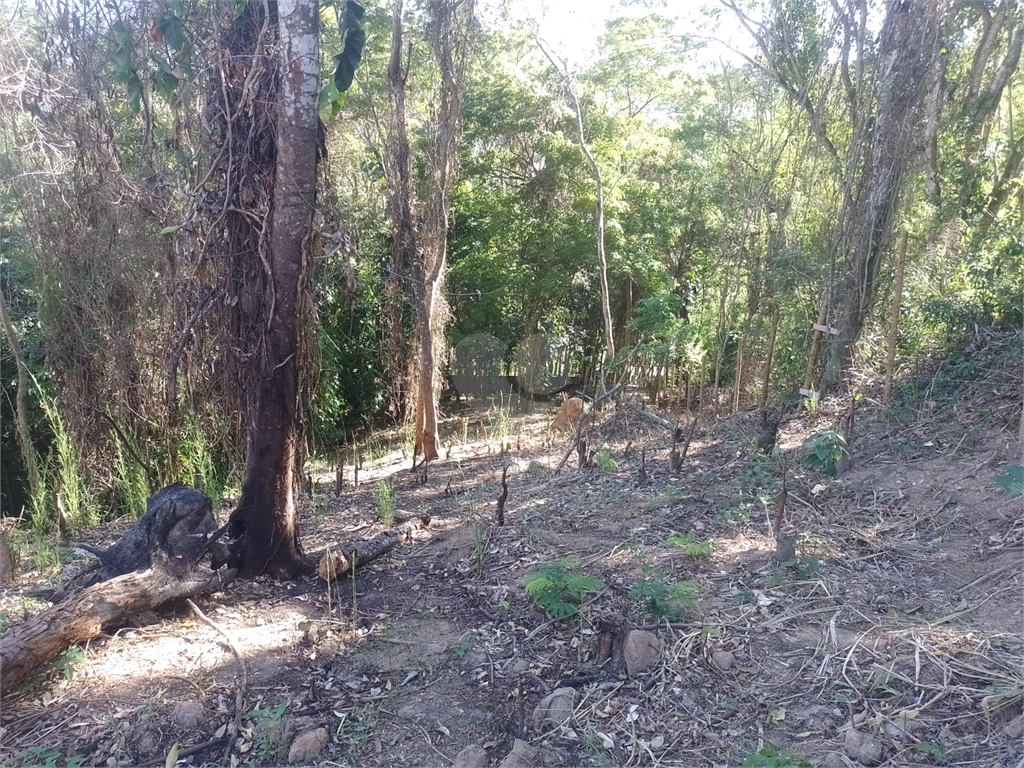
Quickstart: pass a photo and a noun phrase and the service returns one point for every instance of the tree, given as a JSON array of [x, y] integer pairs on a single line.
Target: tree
[[420, 229], [908, 46], [595, 170], [265, 516]]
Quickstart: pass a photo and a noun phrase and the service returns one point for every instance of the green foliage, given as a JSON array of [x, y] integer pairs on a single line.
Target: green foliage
[[353, 40], [606, 463], [824, 450], [559, 589], [501, 423], [806, 566], [198, 461], [385, 496], [67, 662], [65, 476], [935, 750], [270, 731], [350, 387], [690, 546], [737, 514], [131, 487], [665, 599], [5, 620], [1012, 480], [464, 646], [772, 758], [44, 757]]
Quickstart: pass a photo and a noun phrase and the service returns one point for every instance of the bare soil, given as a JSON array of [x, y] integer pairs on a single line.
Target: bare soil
[[902, 617]]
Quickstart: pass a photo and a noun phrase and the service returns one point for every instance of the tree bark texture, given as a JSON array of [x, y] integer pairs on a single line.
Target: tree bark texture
[[907, 49], [419, 237], [337, 562], [28, 645], [265, 519]]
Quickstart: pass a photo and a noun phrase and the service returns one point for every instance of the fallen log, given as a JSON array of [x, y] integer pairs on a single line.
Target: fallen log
[[338, 562], [656, 420], [40, 638]]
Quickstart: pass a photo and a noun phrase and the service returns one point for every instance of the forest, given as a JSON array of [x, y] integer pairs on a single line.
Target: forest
[[655, 404]]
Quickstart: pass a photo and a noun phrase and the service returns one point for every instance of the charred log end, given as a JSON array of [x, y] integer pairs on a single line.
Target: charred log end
[[785, 549], [611, 640]]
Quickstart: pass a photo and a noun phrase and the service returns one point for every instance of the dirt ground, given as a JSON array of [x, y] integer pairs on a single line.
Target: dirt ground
[[899, 620]]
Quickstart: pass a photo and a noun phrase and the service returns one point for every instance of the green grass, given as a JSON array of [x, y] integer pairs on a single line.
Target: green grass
[[385, 495]]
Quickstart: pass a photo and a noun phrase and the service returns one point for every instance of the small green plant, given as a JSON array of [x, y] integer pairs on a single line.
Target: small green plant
[[824, 451], [501, 424], [936, 751], [559, 590], [737, 514], [464, 646], [665, 599], [690, 546], [811, 404], [806, 566], [772, 758], [45, 554], [1012, 480], [40, 756], [606, 463], [5, 620], [67, 662], [385, 503], [270, 731]]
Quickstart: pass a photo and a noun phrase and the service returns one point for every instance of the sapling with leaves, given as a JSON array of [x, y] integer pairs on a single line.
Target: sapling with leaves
[[560, 589]]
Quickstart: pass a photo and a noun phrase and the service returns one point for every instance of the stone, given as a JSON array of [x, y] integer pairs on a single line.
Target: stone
[[473, 756], [523, 755], [553, 757], [187, 714], [863, 747], [723, 660], [642, 651], [307, 745], [835, 760], [554, 709], [814, 716], [146, 744], [1015, 728]]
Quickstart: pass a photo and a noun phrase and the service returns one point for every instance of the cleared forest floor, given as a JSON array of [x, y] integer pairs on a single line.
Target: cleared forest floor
[[901, 618]]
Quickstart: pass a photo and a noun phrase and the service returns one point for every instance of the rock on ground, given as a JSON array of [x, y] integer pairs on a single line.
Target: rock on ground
[[642, 651], [187, 714], [554, 709], [863, 747], [473, 756], [307, 745], [522, 756]]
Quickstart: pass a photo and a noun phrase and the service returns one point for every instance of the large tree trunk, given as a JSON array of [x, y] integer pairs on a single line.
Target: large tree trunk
[[908, 46], [419, 240], [37, 640], [265, 518]]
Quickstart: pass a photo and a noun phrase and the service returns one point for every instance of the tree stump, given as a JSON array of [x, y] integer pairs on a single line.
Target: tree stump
[[178, 522], [611, 642]]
